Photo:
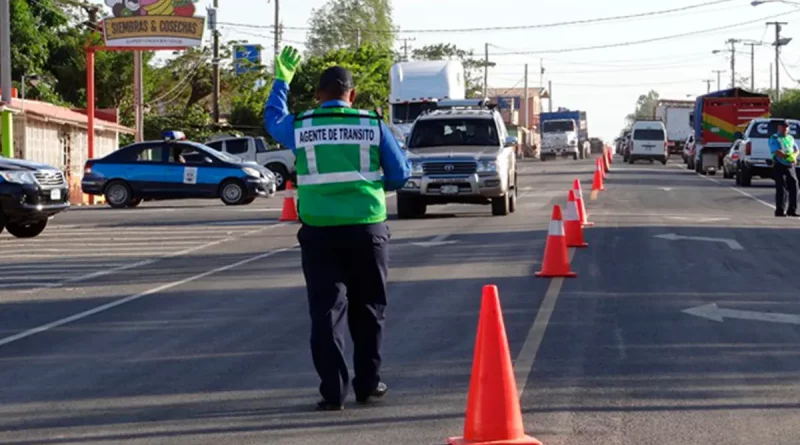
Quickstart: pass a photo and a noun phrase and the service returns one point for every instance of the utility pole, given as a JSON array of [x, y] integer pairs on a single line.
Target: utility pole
[[5, 77], [215, 63], [406, 46], [708, 84], [358, 38], [777, 57], [752, 46], [719, 78], [486, 73], [770, 77], [541, 73], [138, 96], [526, 114], [733, 61], [277, 30], [550, 93]]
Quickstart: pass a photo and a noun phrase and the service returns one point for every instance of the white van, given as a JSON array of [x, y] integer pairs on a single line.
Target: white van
[[648, 141]]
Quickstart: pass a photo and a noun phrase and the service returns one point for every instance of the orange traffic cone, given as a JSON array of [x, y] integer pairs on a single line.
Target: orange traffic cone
[[606, 166], [556, 257], [597, 184], [572, 223], [582, 213], [610, 156], [289, 212], [493, 412]]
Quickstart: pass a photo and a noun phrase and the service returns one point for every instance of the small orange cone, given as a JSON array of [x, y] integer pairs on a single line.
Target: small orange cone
[[289, 212], [493, 415], [597, 184], [610, 155], [572, 223], [556, 257], [582, 213], [604, 161]]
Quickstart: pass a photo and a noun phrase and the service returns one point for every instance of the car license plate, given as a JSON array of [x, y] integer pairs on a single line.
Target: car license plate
[[449, 189], [55, 195]]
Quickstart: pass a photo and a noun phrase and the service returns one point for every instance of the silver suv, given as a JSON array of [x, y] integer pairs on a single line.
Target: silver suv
[[459, 156]]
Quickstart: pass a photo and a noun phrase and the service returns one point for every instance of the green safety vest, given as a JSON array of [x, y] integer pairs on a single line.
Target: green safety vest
[[787, 145], [339, 180]]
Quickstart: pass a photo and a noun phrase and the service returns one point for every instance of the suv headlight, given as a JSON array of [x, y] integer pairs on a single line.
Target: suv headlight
[[487, 166], [18, 177], [416, 168], [250, 171]]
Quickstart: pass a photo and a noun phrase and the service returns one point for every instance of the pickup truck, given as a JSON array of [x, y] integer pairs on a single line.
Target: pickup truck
[[460, 156], [279, 161]]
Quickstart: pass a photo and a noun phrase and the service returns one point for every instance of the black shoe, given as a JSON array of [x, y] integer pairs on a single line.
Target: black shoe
[[324, 405], [377, 393], [793, 214], [780, 215]]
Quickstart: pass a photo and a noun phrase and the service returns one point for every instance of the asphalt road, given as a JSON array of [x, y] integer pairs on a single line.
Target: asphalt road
[[187, 323]]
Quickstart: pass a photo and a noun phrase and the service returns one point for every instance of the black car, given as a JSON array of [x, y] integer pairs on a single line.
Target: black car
[[30, 193]]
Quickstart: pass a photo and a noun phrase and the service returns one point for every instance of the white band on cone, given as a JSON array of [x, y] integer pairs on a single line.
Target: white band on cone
[[571, 213], [556, 228]]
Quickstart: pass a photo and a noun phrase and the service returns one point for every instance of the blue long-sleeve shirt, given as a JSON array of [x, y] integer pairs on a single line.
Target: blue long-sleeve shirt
[[775, 145], [280, 125]]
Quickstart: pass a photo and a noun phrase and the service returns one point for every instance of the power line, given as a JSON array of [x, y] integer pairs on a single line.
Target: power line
[[512, 28], [638, 42]]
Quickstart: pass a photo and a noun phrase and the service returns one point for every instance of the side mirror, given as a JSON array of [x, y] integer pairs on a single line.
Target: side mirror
[[208, 160], [511, 141], [738, 135]]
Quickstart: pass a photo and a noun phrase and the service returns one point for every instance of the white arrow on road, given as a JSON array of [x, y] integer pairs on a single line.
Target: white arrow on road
[[701, 220], [436, 241], [666, 189], [715, 313], [733, 244]]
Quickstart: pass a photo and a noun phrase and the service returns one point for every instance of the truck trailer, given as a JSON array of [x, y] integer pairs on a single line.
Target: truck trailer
[[417, 87], [717, 118], [675, 115]]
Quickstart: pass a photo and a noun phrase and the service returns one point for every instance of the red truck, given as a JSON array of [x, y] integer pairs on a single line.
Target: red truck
[[718, 120]]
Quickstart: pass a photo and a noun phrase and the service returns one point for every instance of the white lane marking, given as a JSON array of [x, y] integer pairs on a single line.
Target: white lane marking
[[54, 266], [733, 244], [436, 241], [736, 189], [102, 273], [119, 247], [718, 314], [523, 365], [155, 290]]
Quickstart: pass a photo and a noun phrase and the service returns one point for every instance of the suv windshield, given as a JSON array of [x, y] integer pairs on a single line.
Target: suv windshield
[[763, 130], [443, 132], [408, 113], [557, 126], [648, 135]]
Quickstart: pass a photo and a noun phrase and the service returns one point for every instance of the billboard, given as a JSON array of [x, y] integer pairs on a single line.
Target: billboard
[[247, 58], [153, 23], [508, 102]]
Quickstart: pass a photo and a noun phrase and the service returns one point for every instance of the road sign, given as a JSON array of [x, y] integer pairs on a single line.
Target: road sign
[[247, 58]]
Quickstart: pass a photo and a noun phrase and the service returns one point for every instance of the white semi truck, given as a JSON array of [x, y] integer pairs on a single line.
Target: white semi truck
[[417, 87]]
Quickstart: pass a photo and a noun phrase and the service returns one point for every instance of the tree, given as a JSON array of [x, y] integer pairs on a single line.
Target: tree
[[344, 23], [645, 107], [448, 51], [788, 106], [370, 65]]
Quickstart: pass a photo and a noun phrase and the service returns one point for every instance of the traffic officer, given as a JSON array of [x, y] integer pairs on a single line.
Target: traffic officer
[[340, 152], [784, 154]]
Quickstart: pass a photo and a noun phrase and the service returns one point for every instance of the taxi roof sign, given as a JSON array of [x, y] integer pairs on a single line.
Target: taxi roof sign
[[174, 135]]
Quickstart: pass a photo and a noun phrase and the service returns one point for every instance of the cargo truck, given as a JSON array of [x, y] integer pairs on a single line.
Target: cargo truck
[[675, 115], [718, 118], [417, 87], [564, 133]]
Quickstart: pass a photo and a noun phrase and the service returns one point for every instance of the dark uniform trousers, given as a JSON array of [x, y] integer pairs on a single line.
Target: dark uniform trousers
[[346, 271], [785, 181]]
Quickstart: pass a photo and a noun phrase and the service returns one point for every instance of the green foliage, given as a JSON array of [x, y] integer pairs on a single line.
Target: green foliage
[[788, 106], [370, 66], [340, 24], [194, 121], [448, 51], [645, 108]]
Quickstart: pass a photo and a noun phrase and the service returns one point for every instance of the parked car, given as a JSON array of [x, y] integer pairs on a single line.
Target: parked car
[[649, 142], [460, 156], [174, 168], [756, 159], [30, 194], [688, 146], [731, 160]]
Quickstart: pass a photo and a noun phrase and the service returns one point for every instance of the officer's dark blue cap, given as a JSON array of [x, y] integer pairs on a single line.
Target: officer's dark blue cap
[[336, 77], [783, 122]]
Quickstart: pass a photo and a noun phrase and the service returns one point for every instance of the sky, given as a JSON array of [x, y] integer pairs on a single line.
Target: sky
[[604, 82]]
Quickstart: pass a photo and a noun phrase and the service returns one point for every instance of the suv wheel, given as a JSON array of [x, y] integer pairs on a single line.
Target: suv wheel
[[27, 230], [134, 202], [2, 222], [512, 204], [501, 206], [409, 207], [746, 179], [575, 157], [118, 194]]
